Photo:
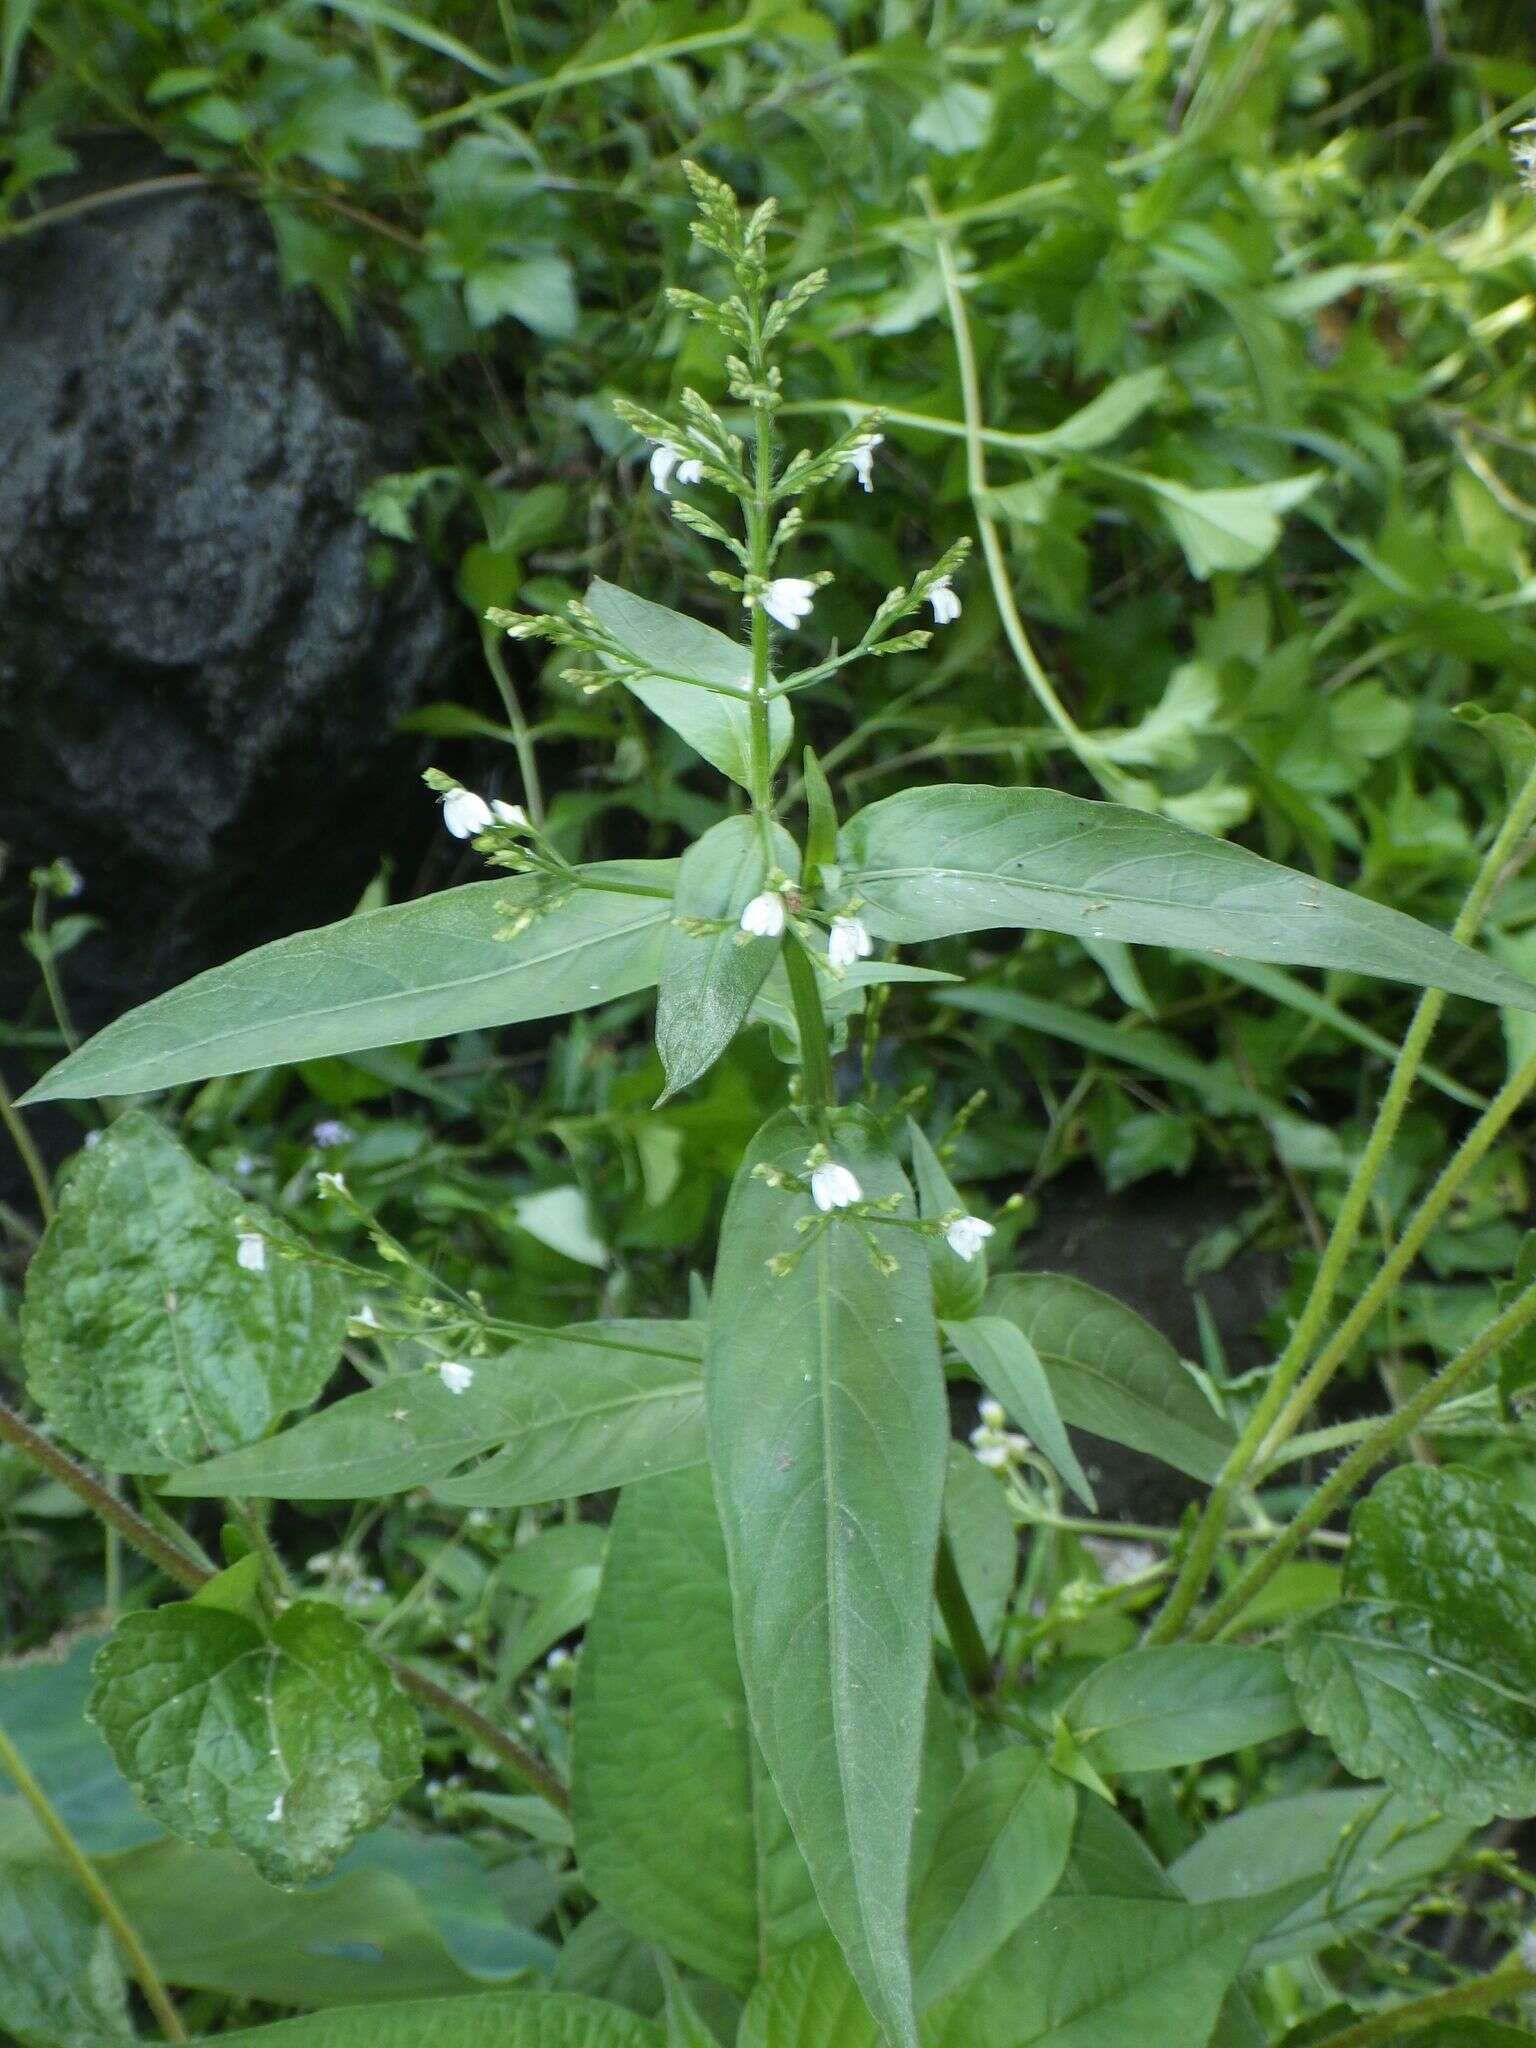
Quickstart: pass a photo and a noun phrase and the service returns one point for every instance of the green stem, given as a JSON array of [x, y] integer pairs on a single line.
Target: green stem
[[1384, 1438], [42, 946], [90, 1882], [811, 1023], [965, 1637], [31, 1158], [1276, 1399], [1507, 1982], [522, 737]]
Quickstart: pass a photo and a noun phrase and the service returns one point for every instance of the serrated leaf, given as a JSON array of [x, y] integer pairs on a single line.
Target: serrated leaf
[[1006, 1363], [1002, 1847], [593, 1406], [389, 976], [664, 1756], [60, 1978], [146, 1341], [679, 654], [1152, 1710], [709, 980], [828, 1435], [496, 2019], [1112, 1373], [964, 857], [285, 1744]]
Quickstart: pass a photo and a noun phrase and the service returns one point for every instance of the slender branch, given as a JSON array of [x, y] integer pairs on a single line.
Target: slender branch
[[522, 737], [1507, 1982], [521, 1762], [91, 1883], [31, 1158]]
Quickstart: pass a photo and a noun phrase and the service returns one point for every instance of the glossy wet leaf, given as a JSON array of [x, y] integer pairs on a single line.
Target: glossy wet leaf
[[709, 978], [828, 1436], [1157, 1709], [590, 1407], [147, 1342], [667, 646], [664, 1758], [60, 1978], [497, 2019], [965, 858], [1002, 1847], [1007, 1365], [1112, 1373], [446, 963], [285, 1744]]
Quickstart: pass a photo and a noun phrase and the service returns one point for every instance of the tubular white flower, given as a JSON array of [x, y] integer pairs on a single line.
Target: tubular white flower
[[861, 458], [848, 941], [465, 814], [764, 916], [690, 471], [663, 461], [945, 601], [834, 1187], [455, 1377], [966, 1236], [509, 814], [251, 1252], [788, 599]]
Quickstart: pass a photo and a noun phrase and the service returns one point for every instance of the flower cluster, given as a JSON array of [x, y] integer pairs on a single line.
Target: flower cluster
[[995, 1445], [1522, 148]]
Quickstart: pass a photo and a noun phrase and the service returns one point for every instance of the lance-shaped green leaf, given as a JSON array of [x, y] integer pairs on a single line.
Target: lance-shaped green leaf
[[958, 1284], [693, 678], [828, 1433], [166, 1317], [496, 2019], [60, 1978], [1112, 1373], [664, 1757], [1003, 1359], [285, 1743], [711, 970], [460, 961], [578, 1411], [1152, 1710], [1001, 1849], [964, 857]]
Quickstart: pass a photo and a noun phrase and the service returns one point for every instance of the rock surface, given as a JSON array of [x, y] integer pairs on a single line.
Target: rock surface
[[200, 665]]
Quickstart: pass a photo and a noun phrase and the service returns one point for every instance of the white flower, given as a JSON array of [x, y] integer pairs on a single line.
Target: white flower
[[848, 941], [465, 814], [331, 1131], [992, 1413], [946, 604], [862, 458], [329, 1185], [663, 462], [834, 1187], [512, 815], [455, 1377], [251, 1252], [245, 1165], [995, 1456], [690, 471], [966, 1236], [277, 1808], [557, 1658], [763, 917], [365, 1316], [788, 599]]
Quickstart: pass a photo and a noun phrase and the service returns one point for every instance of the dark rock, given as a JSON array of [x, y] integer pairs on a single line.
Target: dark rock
[[200, 668]]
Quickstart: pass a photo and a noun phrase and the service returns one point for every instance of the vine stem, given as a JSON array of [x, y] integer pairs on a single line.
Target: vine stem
[[89, 1879], [1498, 1988], [1259, 1432], [188, 1573], [1388, 1434]]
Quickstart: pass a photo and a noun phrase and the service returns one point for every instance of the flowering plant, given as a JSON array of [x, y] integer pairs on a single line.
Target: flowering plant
[[822, 1757]]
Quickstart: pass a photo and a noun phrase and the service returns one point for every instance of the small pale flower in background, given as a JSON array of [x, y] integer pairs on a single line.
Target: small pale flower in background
[[455, 1377], [251, 1252], [332, 1131], [945, 601], [993, 1414], [465, 814], [788, 599], [512, 815], [763, 917], [848, 941], [365, 1316], [861, 457], [995, 1456], [690, 470], [94, 1138], [1119, 1561], [966, 1236], [663, 462], [245, 1165], [834, 1187], [1523, 149], [557, 1658], [277, 1808]]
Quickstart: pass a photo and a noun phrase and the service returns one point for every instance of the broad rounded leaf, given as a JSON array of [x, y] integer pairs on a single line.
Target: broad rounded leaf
[[963, 858], [286, 1745], [499, 2019], [1112, 1373], [664, 1759], [578, 1411], [828, 1434], [1152, 1710], [459, 961], [146, 1341]]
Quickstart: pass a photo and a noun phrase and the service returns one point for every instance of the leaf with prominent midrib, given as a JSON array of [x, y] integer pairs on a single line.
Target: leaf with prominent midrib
[[145, 1339], [496, 2019], [965, 857], [677, 655], [828, 1433], [1152, 1710], [583, 1409], [1112, 1373], [664, 1758], [710, 978], [447, 963]]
